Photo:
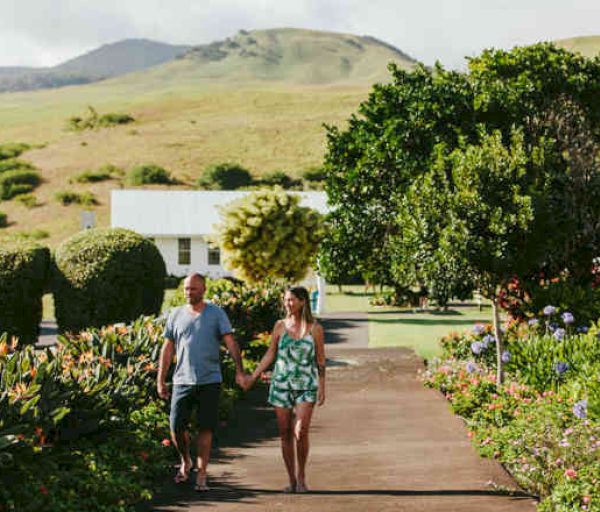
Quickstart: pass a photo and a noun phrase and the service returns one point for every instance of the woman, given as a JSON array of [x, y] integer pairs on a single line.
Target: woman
[[297, 382]]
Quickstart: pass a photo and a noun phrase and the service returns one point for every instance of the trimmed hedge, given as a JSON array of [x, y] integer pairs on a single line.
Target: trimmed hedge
[[105, 276], [3, 220], [24, 275]]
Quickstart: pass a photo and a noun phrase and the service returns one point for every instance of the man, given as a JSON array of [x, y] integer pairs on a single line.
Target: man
[[194, 333]]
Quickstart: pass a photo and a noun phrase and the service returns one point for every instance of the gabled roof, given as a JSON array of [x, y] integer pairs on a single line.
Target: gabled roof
[[182, 212]]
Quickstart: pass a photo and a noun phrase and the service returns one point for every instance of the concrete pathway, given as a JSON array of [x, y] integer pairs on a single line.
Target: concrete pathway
[[381, 442]]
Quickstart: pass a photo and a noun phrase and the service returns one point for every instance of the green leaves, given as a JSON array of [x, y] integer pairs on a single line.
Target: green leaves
[[267, 234]]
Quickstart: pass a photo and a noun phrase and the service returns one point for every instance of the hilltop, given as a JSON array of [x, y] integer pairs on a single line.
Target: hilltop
[[589, 46], [258, 98], [106, 61]]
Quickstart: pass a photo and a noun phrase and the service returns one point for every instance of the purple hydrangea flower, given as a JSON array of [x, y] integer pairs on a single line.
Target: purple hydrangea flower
[[559, 333], [568, 318], [533, 322], [580, 409], [488, 340], [471, 367], [549, 310], [506, 356], [552, 326], [561, 367], [477, 347], [478, 329], [582, 329]]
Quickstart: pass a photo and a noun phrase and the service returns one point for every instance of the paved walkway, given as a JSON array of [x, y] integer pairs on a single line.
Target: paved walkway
[[382, 442]]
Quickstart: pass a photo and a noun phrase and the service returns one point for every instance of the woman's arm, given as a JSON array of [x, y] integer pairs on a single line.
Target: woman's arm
[[271, 352], [319, 337]]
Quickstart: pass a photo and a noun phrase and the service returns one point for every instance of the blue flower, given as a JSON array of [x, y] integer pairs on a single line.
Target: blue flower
[[488, 340], [478, 329], [559, 333], [561, 367], [549, 310], [568, 318], [533, 322], [506, 356], [471, 367], [582, 329], [552, 327], [580, 409], [477, 347]]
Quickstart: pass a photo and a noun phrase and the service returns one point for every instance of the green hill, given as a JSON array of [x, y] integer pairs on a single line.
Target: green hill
[[259, 98], [107, 61], [588, 46]]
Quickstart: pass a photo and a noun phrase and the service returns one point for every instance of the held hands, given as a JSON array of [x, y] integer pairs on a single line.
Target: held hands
[[243, 380]]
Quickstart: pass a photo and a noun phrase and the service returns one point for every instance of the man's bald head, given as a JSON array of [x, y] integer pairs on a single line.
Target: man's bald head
[[194, 287]]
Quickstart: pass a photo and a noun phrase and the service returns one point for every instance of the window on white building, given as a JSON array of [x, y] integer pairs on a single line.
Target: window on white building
[[214, 256], [184, 252]]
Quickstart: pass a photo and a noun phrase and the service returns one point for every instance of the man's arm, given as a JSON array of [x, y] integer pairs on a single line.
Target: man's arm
[[166, 357], [234, 351], [319, 338]]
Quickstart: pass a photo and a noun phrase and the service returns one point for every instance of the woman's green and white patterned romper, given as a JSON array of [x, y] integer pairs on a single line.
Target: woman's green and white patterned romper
[[294, 378]]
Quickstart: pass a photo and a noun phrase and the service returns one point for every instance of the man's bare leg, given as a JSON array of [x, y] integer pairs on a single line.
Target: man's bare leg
[[203, 446], [304, 412], [284, 422], [181, 440]]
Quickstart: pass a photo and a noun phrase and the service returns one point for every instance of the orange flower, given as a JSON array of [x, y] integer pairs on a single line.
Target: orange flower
[[119, 349], [3, 349], [166, 442]]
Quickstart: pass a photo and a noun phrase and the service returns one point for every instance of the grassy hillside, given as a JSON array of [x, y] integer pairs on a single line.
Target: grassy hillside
[[588, 46], [187, 115]]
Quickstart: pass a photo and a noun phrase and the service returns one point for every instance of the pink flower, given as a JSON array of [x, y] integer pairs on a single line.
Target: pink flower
[[558, 462], [570, 473], [586, 499], [166, 442]]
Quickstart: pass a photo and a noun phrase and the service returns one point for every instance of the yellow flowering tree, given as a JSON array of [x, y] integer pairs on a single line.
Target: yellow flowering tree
[[267, 234]]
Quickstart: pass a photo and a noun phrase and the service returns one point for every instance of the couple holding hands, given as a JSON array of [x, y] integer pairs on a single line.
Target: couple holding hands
[[194, 332]]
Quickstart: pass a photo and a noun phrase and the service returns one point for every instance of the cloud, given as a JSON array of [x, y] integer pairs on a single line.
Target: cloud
[[39, 32]]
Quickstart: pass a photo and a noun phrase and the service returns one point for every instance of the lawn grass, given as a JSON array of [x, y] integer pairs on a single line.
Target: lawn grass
[[421, 331], [351, 298]]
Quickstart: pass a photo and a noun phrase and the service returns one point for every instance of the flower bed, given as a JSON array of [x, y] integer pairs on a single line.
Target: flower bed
[[543, 423], [83, 419]]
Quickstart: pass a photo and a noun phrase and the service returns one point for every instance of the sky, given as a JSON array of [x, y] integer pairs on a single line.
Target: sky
[[48, 32]]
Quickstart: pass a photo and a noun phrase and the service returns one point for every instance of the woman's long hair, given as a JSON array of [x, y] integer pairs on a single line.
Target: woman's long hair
[[306, 316]]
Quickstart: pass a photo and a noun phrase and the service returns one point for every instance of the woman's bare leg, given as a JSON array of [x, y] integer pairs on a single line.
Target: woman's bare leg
[[304, 412], [284, 422]]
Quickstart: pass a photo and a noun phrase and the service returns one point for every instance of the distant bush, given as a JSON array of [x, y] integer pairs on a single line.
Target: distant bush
[[12, 164], [105, 276], [149, 174], [225, 176], [279, 179], [314, 174], [12, 150], [67, 197], [92, 177], [24, 236], [3, 220], [17, 182], [28, 200], [24, 275], [93, 120]]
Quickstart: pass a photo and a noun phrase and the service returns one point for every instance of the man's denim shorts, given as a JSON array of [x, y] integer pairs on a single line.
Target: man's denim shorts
[[201, 400]]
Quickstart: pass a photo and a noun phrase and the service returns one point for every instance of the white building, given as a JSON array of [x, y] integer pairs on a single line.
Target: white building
[[179, 222]]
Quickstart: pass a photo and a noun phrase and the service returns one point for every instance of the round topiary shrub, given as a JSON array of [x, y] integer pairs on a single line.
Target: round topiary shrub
[[24, 275], [105, 276]]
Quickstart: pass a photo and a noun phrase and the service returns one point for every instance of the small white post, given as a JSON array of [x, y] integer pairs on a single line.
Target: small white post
[[321, 284]]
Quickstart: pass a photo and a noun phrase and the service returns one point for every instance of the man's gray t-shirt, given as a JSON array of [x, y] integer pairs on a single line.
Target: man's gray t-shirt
[[197, 341]]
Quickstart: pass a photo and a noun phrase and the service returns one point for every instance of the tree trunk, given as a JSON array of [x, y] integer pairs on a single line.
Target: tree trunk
[[499, 342]]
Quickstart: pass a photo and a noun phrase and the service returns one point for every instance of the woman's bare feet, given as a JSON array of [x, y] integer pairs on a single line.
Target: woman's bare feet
[[290, 489], [200, 485], [301, 487]]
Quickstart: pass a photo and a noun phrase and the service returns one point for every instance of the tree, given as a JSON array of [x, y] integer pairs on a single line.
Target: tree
[[390, 143], [371, 164], [267, 234]]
